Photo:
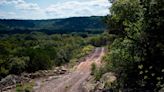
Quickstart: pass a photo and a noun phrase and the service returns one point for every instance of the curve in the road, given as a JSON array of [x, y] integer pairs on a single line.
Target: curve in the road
[[72, 82]]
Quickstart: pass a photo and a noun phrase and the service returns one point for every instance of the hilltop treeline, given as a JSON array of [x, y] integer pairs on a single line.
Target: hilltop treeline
[[76, 24]]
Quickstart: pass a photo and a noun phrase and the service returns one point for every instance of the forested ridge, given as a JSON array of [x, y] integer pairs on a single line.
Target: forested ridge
[[92, 24]]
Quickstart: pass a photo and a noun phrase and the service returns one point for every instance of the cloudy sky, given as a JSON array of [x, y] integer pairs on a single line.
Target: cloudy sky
[[48, 9]]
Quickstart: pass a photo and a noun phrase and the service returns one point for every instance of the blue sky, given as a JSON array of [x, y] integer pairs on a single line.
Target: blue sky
[[49, 9]]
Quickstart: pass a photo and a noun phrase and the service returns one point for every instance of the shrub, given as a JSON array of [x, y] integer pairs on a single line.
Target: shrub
[[38, 61], [93, 68], [97, 72], [26, 87], [18, 65]]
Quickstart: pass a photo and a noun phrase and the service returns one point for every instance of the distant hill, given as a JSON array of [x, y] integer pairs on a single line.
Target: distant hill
[[67, 25]]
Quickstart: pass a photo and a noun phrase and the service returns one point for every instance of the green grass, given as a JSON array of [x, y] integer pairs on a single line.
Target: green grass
[[26, 87]]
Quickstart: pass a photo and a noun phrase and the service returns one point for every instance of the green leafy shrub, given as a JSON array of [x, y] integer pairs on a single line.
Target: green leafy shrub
[[97, 72], [18, 65], [26, 87], [93, 68], [136, 55], [38, 61]]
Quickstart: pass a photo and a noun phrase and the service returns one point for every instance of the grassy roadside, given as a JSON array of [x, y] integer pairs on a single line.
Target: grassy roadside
[[25, 87]]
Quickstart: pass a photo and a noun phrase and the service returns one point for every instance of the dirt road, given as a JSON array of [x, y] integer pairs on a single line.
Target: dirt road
[[72, 82]]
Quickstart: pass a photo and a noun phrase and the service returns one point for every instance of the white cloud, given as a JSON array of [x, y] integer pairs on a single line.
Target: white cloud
[[79, 8], [21, 4], [27, 6], [6, 14], [69, 8]]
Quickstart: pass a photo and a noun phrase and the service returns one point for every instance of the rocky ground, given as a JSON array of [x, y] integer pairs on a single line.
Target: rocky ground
[[91, 85], [10, 81]]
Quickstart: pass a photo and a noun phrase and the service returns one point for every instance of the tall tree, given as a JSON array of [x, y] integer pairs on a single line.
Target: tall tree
[[137, 53]]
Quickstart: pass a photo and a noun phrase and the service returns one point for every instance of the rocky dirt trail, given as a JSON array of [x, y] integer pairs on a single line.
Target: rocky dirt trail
[[71, 82]]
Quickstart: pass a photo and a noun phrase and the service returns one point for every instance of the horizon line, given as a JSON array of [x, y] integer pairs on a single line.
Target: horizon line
[[50, 18]]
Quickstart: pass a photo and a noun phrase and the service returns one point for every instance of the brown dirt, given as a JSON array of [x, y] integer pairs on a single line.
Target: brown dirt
[[71, 82]]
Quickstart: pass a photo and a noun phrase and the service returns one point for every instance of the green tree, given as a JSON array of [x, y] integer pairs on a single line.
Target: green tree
[[137, 52]]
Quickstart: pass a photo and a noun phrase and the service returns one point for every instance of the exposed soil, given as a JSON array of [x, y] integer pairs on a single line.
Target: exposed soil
[[71, 82]]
